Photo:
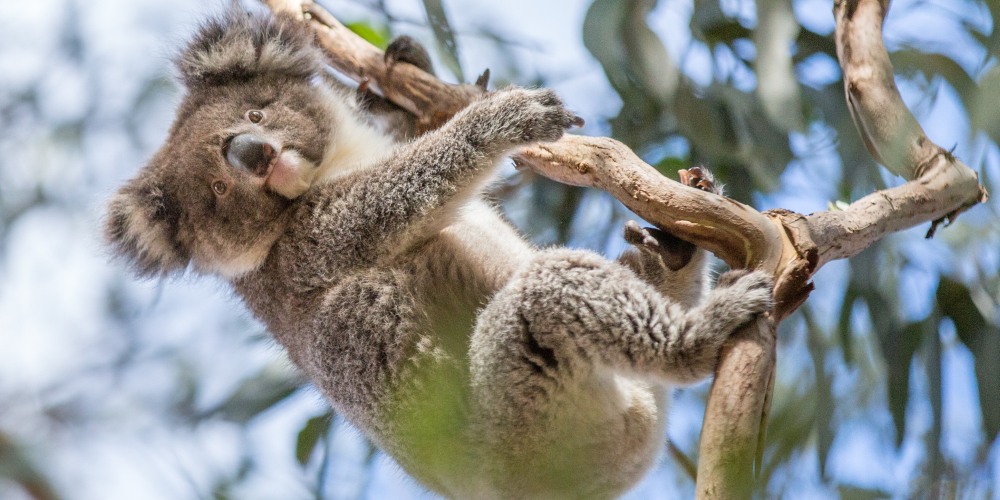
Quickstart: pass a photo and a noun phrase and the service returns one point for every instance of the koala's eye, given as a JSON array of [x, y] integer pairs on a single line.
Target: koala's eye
[[219, 188], [255, 115]]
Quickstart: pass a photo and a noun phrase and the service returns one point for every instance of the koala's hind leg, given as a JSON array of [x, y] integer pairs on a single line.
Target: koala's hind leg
[[677, 269], [574, 333]]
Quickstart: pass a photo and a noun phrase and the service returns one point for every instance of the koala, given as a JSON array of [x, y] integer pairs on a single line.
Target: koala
[[486, 367]]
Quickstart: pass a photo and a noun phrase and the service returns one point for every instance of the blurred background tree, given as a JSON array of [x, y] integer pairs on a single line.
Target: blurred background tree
[[888, 379]]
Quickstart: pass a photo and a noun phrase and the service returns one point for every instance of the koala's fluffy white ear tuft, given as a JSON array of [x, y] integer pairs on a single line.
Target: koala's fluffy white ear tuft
[[141, 228], [239, 45]]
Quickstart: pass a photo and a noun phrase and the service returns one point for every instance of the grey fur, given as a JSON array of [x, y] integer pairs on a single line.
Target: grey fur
[[486, 367]]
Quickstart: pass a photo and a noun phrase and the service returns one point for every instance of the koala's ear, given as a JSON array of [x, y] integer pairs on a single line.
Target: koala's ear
[[240, 45], [141, 228]]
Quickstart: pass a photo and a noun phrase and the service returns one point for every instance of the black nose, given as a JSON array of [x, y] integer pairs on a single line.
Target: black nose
[[250, 153]]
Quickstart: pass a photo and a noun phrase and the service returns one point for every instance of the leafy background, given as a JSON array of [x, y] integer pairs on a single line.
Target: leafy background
[[888, 379]]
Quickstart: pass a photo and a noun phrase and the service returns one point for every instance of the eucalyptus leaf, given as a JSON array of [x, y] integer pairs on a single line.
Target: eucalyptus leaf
[[909, 61], [758, 145], [616, 34], [984, 111], [790, 424], [993, 46], [646, 56], [257, 394], [850, 492], [705, 122], [851, 296], [670, 165], [982, 336], [777, 86], [897, 341], [823, 423], [601, 34], [809, 42], [724, 32], [898, 359], [17, 466], [309, 436], [708, 20], [445, 35]]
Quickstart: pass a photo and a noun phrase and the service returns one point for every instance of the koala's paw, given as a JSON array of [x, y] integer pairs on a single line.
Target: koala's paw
[[700, 177], [741, 295], [675, 252], [517, 116], [408, 50]]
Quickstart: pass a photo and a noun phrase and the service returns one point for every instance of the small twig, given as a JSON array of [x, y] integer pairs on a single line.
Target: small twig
[[690, 468]]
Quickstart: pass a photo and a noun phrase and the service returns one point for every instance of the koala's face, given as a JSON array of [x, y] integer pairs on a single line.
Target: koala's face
[[248, 139]]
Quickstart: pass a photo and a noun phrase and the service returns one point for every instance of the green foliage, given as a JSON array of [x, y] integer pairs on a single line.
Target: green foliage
[[375, 34], [16, 466], [976, 327], [985, 114], [315, 429], [256, 395], [431, 417], [726, 127]]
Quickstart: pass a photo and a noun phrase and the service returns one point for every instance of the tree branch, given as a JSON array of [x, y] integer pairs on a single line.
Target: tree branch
[[735, 232], [790, 245], [432, 101]]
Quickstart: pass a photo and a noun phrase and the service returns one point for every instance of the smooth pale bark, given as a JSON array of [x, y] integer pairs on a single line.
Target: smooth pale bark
[[790, 245]]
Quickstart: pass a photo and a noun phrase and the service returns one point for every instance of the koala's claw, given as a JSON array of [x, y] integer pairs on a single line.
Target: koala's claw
[[675, 252], [700, 177], [527, 115], [408, 50], [636, 235]]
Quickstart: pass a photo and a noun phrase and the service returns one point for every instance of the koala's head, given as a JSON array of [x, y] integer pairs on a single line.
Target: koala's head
[[249, 137]]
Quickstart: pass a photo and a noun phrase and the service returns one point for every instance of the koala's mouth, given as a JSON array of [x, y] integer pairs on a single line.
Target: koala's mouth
[[290, 174]]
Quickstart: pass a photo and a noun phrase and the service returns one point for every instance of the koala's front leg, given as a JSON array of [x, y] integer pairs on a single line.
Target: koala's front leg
[[390, 204]]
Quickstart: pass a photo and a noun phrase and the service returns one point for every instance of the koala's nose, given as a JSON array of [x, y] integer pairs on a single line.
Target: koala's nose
[[250, 153]]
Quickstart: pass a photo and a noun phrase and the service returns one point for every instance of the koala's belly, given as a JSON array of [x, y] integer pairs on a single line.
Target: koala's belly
[[606, 433], [479, 247]]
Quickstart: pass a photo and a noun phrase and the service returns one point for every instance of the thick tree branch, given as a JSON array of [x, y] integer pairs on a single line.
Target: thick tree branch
[[890, 132], [792, 246], [732, 429], [733, 231]]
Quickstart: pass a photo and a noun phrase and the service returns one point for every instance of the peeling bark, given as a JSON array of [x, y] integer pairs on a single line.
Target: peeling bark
[[790, 245]]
